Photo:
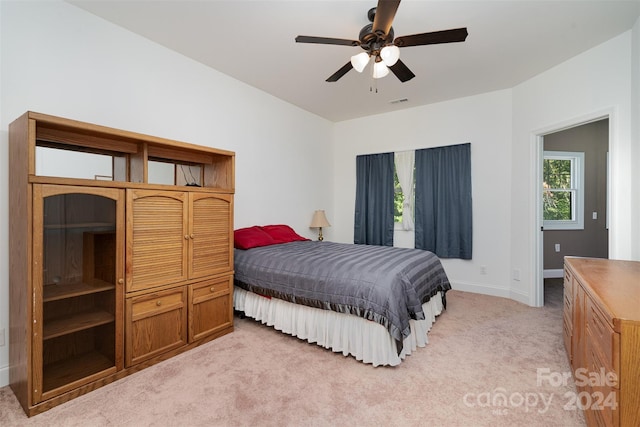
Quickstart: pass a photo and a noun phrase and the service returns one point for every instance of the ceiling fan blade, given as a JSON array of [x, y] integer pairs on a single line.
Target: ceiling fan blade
[[436, 37], [341, 72], [327, 40], [402, 72], [385, 12]]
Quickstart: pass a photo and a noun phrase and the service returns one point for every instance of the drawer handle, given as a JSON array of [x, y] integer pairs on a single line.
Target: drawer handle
[[191, 236], [212, 289], [121, 281], [158, 303], [186, 237]]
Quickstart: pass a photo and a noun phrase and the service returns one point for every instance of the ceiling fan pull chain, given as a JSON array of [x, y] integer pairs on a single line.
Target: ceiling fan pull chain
[[373, 85]]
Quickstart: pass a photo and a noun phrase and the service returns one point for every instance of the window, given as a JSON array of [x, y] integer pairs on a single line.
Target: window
[[398, 201], [403, 185], [437, 181], [563, 190]]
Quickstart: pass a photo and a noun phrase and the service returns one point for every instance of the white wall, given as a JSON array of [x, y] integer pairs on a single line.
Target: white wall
[[57, 59], [596, 82], [501, 127], [635, 136], [485, 122]]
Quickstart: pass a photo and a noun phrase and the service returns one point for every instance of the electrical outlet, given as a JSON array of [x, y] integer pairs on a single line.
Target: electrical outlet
[[483, 269], [594, 215], [557, 247], [516, 274], [1, 337]]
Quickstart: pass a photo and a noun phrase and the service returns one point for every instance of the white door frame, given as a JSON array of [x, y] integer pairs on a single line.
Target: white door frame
[[537, 139]]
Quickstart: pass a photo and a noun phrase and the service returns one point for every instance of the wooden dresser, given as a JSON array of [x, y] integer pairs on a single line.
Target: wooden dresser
[[602, 338], [121, 254]]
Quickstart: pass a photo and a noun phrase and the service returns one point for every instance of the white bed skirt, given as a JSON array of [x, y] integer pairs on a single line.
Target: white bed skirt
[[367, 341]]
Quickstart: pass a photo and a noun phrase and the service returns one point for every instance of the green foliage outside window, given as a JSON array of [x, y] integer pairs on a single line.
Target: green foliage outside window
[[557, 191], [398, 200]]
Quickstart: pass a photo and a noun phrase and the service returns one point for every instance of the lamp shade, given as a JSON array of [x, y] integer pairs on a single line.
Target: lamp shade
[[319, 220], [390, 54], [360, 61], [380, 70]]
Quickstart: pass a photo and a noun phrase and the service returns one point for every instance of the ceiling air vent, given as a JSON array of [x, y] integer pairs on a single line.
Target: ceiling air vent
[[399, 101]]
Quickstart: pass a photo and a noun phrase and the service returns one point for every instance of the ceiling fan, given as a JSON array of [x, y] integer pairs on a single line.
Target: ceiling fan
[[378, 43]]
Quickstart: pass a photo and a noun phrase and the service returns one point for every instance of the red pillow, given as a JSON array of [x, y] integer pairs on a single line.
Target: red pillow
[[282, 233], [251, 237]]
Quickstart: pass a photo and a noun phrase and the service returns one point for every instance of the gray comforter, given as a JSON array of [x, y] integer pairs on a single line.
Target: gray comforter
[[379, 283]]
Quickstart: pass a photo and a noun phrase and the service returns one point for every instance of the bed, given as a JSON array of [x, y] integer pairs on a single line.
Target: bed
[[374, 303]]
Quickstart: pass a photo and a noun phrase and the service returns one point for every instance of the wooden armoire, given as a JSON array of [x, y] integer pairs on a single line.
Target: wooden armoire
[[121, 254]]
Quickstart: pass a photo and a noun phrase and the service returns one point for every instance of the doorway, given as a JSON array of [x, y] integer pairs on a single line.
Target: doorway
[[573, 205]]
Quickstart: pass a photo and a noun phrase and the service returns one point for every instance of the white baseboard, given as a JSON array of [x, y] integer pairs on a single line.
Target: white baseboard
[[492, 291], [481, 289], [4, 376], [521, 298], [553, 274]]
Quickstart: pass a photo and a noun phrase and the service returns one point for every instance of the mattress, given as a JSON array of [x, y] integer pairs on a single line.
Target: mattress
[[383, 285]]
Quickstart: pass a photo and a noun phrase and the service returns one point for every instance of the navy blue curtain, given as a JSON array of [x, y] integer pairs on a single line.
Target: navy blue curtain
[[443, 217], [374, 200]]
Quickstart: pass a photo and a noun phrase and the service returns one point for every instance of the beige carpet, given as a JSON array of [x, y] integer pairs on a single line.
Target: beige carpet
[[479, 369]]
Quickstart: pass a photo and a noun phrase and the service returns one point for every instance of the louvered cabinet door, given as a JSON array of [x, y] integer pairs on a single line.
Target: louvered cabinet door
[[210, 235], [157, 238]]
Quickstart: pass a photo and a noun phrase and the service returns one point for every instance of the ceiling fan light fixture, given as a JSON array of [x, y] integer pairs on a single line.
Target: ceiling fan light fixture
[[390, 54], [380, 70], [379, 42], [360, 61]]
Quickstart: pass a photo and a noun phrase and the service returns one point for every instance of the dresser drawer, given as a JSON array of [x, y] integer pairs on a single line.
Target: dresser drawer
[[567, 334], [568, 281], [568, 303], [601, 335], [605, 417], [602, 391]]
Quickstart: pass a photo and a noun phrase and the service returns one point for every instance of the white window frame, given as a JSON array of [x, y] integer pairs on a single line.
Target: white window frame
[[577, 190]]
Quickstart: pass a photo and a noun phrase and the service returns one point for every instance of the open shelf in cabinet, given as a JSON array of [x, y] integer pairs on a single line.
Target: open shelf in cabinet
[[123, 157], [69, 290], [67, 371], [75, 323], [78, 353]]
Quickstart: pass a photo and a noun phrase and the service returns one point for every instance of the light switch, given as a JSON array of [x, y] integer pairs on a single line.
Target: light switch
[[595, 215]]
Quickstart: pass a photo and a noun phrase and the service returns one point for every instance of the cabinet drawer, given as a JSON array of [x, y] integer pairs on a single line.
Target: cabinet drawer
[[157, 303], [156, 323], [207, 290], [601, 335]]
